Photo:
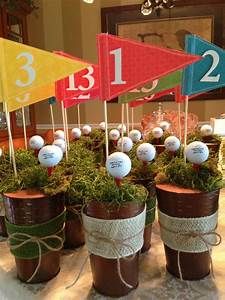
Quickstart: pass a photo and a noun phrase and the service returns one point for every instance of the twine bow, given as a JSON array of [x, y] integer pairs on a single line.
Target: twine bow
[[201, 236], [208, 244], [114, 243], [24, 239]]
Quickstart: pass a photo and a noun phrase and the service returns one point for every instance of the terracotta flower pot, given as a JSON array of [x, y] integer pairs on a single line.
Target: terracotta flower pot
[[30, 208], [74, 233], [106, 279], [181, 202]]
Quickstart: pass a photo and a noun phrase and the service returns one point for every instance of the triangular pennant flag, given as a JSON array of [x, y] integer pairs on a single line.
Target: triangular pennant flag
[[158, 85], [206, 74], [24, 68], [35, 95], [125, 64], [152, 97], [84, 82], [79, 100]]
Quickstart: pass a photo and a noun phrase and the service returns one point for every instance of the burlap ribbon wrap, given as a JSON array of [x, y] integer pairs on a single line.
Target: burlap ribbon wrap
[[114, 238]]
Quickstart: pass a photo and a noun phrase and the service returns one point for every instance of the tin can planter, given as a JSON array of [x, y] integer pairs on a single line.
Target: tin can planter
[[159, 148], [74, 233], [33, 221], [3, 231], [150, 211], [114, 272], [188, 220]]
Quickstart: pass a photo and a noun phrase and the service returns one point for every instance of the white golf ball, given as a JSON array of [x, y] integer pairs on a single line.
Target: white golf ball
[[50, 156], [172, 143], [102, 126], [146, 152], [118, 165], [61, 144], [59, 134], [1, 152], [120, 126], [157, 132], [135, 135], [76, 133], [206, 130], [126, 142], [164, 125], [86, 129], [36, 142], [197, 152], [114, 134]]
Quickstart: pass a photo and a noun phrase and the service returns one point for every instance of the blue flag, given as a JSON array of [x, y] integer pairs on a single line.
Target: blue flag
[[52, 100], [206, 74]]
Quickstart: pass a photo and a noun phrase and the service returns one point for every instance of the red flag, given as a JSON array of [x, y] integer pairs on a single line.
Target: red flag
[[74, 101], [151, 98], [125, 64], [179, 98], [81, 85]]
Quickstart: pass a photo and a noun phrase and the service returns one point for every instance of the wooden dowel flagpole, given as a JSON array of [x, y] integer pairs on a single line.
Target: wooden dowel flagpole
[[185, 126], [67, 129], [122, 123], [64, 128], [52, 118], [106, 130], [10, 139], [78, 115], [132, 118], [128, 119], [179, 121], [24, 127]]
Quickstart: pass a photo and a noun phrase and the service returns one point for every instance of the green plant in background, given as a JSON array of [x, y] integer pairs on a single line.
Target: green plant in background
[[152, 140], [196, 136], [206, 178]]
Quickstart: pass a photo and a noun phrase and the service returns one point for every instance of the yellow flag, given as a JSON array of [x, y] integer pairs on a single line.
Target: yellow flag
[[25, 69], [33, 96]]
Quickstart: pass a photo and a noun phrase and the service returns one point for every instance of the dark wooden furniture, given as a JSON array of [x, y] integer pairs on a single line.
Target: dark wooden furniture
[[13, 26], [113, 17]]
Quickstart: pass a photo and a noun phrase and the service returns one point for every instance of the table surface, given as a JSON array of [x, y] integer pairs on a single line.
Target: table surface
[[155, 282]]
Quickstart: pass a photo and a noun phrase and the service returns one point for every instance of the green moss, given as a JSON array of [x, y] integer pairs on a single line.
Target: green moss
[[196, 136], [104, 189], [206, 178], [152, 140]]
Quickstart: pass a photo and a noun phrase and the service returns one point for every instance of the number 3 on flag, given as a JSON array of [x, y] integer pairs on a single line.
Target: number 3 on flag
[[31, 73]]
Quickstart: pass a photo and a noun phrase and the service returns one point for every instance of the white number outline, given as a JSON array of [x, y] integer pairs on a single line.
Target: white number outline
[[118, 66], [146, 90], [216, 58], [91, 83], [27, 68]]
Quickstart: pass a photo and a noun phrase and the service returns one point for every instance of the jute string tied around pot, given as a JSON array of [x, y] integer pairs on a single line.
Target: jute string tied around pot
[[114, 239], [193, 235], [75, 211], [37, 242]]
